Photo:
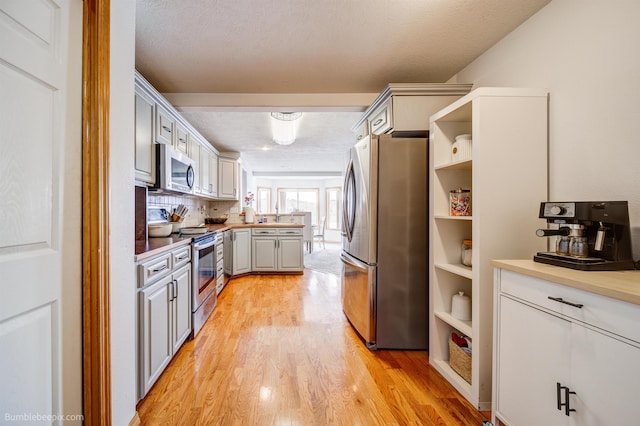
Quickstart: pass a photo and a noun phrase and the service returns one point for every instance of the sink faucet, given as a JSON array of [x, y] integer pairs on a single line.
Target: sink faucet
[[277, 214]]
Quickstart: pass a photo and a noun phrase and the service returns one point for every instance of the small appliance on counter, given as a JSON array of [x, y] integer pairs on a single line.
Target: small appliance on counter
[[592, 235], [157, 222]]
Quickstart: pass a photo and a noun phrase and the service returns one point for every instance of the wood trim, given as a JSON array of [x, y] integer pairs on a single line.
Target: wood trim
[[95, 207]]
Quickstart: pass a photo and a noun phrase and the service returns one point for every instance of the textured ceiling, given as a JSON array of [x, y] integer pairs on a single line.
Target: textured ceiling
[[305, 47]]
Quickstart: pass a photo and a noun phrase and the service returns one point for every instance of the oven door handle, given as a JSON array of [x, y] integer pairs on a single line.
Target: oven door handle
[[202, 246]]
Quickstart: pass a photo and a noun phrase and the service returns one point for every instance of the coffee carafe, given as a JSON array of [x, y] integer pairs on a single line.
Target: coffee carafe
[[591, 236]]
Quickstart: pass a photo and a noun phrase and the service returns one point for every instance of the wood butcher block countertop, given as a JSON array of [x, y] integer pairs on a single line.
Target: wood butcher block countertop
[[156, 245], [621, 285]]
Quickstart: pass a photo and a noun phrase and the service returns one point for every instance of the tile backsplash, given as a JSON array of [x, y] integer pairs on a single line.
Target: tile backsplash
[[199, 208]]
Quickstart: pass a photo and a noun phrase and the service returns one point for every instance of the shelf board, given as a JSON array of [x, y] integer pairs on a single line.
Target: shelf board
[[452, 377], [456, 165], [456, 268], [463, 327], [447, 217]]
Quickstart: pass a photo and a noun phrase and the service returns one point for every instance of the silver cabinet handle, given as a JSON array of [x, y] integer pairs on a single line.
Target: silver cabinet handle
[[176, 289], [168, 129], [162, 268], [378, 121]]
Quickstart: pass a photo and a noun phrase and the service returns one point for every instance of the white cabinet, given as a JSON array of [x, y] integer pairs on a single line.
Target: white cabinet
[[406, 107], [227, 178], [290, 253], [155, 332], [165, 125], [241, 251], [277, 250], [181, 140], [207, 170], [506, 173], [264, 253], [145, 152], [164, 312], [563, 356]]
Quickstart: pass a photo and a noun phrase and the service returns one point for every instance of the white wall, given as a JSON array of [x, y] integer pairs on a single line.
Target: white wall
[[121, 213], [586, 53]]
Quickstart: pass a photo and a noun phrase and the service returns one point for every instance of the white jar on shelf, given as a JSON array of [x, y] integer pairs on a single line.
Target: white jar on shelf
[[461, 148]]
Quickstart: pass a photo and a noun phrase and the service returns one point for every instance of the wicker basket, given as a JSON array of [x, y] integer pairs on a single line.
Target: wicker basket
[[460, 361]]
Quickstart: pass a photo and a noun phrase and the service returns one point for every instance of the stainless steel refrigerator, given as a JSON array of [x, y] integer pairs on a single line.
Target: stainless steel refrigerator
[[384, 242]]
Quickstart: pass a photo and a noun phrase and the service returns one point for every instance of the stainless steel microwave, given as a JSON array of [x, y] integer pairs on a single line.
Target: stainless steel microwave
[[174, 170]]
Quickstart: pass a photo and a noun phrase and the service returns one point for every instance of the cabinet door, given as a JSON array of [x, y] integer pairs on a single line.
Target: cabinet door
[[195, 156], [182, 139], [181, 308], [604, 374], [155, 317], [241, 251], [227, 178], [165, 126], [533, 355], [290, 254], [263, 256], [145, 154], [205, 169], [213, 173]]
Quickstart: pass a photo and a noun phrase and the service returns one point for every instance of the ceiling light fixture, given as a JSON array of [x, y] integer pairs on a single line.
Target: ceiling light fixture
[[284, 126]]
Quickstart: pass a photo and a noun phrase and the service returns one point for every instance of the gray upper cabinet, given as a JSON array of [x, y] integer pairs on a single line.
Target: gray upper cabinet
[[145, 154], [165, 126], [227, 178]]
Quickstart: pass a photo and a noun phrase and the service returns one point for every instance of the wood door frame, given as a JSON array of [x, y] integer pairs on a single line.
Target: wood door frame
[[95, 212]]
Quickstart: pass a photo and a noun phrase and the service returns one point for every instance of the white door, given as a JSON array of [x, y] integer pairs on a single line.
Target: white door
[[533, 341], [605, 376], [40, 210]]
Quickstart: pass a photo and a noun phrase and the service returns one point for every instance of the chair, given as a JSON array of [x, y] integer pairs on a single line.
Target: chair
[[319, 234]]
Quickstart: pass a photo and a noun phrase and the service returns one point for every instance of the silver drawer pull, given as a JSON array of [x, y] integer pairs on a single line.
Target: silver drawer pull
[[181, 258], [378, 121], [168, 129], [561, 300], [162, 268]]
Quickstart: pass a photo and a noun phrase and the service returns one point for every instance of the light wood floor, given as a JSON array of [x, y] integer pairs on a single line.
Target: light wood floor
[[278, 350]]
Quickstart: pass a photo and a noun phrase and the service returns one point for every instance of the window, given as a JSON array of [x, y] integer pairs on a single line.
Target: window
[[334, 208], [299, 200], [264, 200]]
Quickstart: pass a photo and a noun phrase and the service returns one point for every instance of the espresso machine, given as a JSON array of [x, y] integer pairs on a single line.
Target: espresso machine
[[590, 235]]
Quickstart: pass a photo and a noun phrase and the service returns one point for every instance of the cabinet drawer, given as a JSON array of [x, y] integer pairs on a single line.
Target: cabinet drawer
[[381, 121], [264, 231], [290, 231], [363, 131], [181, 256], [614, 316], [153, 269]]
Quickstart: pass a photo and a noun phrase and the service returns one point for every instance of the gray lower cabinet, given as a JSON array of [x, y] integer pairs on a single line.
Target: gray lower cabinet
[[277, 250], [241, 251], [164, 314]]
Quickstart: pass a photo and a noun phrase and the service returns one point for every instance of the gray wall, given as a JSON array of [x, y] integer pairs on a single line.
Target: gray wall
[[586, 53]]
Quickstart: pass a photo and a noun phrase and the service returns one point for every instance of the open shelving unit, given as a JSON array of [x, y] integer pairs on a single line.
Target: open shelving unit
[[507, 176]]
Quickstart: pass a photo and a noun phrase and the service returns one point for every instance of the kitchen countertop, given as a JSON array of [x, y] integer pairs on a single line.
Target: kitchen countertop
[[621, 285], [150, 247]]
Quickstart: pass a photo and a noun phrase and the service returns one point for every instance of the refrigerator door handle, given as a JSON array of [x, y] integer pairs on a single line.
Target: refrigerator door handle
[[348, 202], [354, 263]]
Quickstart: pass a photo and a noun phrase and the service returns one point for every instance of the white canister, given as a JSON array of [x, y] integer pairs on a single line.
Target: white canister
[[461, 148], [461, 306], [249, 215]]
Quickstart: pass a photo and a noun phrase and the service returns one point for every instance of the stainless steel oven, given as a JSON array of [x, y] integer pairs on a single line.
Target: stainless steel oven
[[204, 259]]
